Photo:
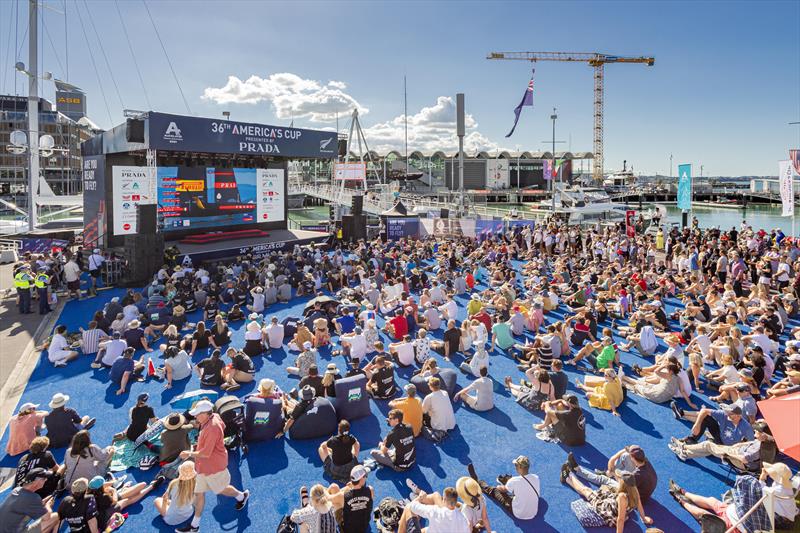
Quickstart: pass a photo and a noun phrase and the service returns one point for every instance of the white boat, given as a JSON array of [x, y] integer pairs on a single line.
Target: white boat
[[583, 205]]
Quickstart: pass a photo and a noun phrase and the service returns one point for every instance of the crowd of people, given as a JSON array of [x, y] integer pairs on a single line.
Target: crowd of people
[[380, 308]]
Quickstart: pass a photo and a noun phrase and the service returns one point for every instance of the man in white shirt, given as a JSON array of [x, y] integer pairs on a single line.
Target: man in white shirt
[[430, 318], [442, 512], [110, 351], [449, 309], [356, 342], [438, 407], [760, 339], [437, 295], [484, 390], [72, 275], [274, 333], [518, 495], [403, 351]]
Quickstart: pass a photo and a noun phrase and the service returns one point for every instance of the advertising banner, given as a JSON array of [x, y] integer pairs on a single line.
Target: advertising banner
[[315, 227], [94, 201], [196, 134], [497, 176], [685, 187], [350, 171], [547, 169], [400, 228], [271, 194], [794, 157], [786, 185], [131, 186]]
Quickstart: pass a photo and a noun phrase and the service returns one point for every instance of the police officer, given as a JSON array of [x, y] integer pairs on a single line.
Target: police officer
[[22, 282], [42, 282]]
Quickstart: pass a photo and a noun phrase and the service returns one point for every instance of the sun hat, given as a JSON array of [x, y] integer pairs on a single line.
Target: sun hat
[[331, 369], [203, 406], [96, 482], [780, 473], [134, 324], [186, 471], [174, 421], [468, 490], [28, 406], [80, 485], [58, 400], [266, 384]]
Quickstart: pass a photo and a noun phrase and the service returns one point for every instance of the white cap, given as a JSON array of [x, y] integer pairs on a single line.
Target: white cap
[[203, 406]]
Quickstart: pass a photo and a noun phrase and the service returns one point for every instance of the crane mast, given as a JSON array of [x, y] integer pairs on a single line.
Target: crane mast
[[594, 60]]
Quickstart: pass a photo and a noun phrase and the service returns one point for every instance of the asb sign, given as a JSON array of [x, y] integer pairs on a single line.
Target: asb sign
[[194, 134]]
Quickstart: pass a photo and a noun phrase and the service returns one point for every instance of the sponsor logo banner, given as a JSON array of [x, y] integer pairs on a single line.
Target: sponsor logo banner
[[131, 186]]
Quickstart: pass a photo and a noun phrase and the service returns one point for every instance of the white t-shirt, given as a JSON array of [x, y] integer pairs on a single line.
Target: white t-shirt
[[450, 309], [441, 519], [72, 272], [525, 504], [405, 353], [114, 350], [762, 340], [485, 389], [258, 302], [275, 335], [358, 346], [704, 343], [437, 405]]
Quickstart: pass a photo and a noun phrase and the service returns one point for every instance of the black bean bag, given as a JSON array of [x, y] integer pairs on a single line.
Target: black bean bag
[[263, 418], [319, 421], [351, 401], [446, 375]]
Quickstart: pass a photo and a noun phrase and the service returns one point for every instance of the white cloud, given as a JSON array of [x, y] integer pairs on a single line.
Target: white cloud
[[290, 95], [432, 128]]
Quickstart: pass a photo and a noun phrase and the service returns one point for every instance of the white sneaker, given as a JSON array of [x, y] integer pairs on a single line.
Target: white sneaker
[[96, 365], [413, 486], [60, 364]]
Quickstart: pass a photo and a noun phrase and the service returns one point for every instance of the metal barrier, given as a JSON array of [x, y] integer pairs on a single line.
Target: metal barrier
[[113, 271]]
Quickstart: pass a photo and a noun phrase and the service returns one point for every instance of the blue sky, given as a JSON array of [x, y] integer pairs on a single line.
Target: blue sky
[[725, 84]]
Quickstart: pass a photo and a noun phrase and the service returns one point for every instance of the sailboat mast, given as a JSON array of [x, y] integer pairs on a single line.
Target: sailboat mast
[[405, 115]]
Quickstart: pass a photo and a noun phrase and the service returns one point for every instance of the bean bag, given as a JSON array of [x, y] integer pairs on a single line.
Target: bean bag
[[319, 421], [290, 326], [446, 375], [351, 401], [263, 418], [185, 401]]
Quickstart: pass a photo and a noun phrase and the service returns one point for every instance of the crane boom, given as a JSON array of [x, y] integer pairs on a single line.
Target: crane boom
[[595, 60]]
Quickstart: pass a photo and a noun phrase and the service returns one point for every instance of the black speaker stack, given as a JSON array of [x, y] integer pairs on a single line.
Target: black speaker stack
[[146, 218], [144, 251], [134, 130], [354, 227], [357, 204]]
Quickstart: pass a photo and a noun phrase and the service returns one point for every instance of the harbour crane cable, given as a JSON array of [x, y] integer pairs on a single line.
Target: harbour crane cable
[[6, 65], [103, 51], [52, 45], [169, 62], [66, 43], [94, 63], [133, 55]]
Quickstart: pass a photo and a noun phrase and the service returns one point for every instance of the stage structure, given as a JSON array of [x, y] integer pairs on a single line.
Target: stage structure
[[216, 188]]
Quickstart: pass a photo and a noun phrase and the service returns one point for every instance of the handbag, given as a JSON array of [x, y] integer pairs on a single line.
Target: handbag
[[62, 482], [287, 526]]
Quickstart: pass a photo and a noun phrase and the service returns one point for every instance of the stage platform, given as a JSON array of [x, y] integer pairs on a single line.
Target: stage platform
[[258, 247]]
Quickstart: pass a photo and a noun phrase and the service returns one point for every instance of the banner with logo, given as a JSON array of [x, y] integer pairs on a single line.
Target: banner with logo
[[794, 158], [685, 187], [94, 201], [271, 194], [547, 169], [131, 186], [400, 228], [196, 134], [786, 185], [497, 176]]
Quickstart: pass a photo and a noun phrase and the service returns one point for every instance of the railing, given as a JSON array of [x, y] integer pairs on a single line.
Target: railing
[[10, 244]]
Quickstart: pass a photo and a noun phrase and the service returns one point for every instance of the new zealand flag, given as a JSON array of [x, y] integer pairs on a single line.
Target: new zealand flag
[[527, 100]]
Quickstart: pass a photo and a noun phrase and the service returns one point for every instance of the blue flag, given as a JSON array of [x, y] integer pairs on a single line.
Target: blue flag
[[527, 100], [685, 187]]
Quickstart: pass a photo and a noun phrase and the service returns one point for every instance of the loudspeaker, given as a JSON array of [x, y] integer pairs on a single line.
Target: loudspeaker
[[144, 254], [354, 227], [342, 147], [445, 213], [134, 130], [357, 205], [146, 218]]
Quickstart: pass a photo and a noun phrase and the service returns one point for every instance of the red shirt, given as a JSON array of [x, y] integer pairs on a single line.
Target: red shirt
[[212, 456], [470, 279], [484, 317], [400, 325]]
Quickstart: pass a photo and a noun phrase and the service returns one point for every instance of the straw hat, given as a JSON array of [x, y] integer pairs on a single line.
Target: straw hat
[[468, 490], [134, 324], [58, 400], [266, 385], [178, 310], [174, 421], [779, 473], [186, 471]]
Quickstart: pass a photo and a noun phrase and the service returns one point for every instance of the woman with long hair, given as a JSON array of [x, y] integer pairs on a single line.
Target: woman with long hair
[[177, 504], [316, 512], [84, 459]]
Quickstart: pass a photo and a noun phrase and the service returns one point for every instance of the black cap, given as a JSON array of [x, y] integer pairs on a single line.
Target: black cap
[[36, 473]]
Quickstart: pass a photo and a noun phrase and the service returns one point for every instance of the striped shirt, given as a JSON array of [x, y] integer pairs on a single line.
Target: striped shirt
[[90, 340]]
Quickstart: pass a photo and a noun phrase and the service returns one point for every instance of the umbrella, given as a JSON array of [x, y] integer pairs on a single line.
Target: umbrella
[[782, 415], [322, 300]]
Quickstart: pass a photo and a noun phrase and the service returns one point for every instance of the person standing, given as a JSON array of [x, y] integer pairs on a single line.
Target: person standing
[[96, 261], [72, 275], [211, 462], [22, 282], [42, 282]]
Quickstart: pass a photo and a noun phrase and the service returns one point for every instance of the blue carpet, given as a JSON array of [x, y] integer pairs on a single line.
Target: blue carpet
[[274, 471]]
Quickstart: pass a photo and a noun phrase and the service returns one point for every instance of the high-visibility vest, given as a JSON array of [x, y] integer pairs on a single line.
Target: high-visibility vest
[[22, 281], [41, 281]]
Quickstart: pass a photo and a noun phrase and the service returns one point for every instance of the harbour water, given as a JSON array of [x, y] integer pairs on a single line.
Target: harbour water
[[758, 216]]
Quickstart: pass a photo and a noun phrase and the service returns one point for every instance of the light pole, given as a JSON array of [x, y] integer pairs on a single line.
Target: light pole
[[553, 117], [517, 147], [227, 115]]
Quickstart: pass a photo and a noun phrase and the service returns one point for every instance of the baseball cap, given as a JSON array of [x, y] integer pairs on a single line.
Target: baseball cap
[[36, 473], [143, 397], [731, 409], [203, 406], [522, 461], [358, 473], [96, 482]]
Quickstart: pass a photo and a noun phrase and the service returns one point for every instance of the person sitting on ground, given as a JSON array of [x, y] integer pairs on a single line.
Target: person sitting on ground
[[110, 351], [501, 334], [608, 504], [563, 420], [294, 409], [254, 337], [305, 360], [177, 365], [23, 509], [483, 386], [24, 427], [790, 384], [536, 393], [402, 352], [723, 512], [601, 355], [397, 450], [441, 511], [201, 339], [603, 392], [322, 336], [725, 425], [63, 422], [397, 327], [745, 454], [313, 380], [558, 378], [411, 407], [518, 495], [210, 370], [339, 454], [58, 351], [660, 386], [329, 379], [176, 505], [273, 334], [380, 373], [239, 370], [354, 500], [109, 500], [91, 339], [315, 513], [344, 323], [125, 369], [629, 459], [39, 456], [354, 345], [439, 409], [478, 361], [85, 459], [135, 337], [141, 416], [79, 509]]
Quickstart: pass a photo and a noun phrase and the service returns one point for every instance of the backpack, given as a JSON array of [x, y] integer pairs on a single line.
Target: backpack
[[387, 514], [287, 526]]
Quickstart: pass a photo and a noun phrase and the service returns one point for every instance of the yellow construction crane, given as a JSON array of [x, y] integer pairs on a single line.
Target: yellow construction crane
[[596, 60]]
